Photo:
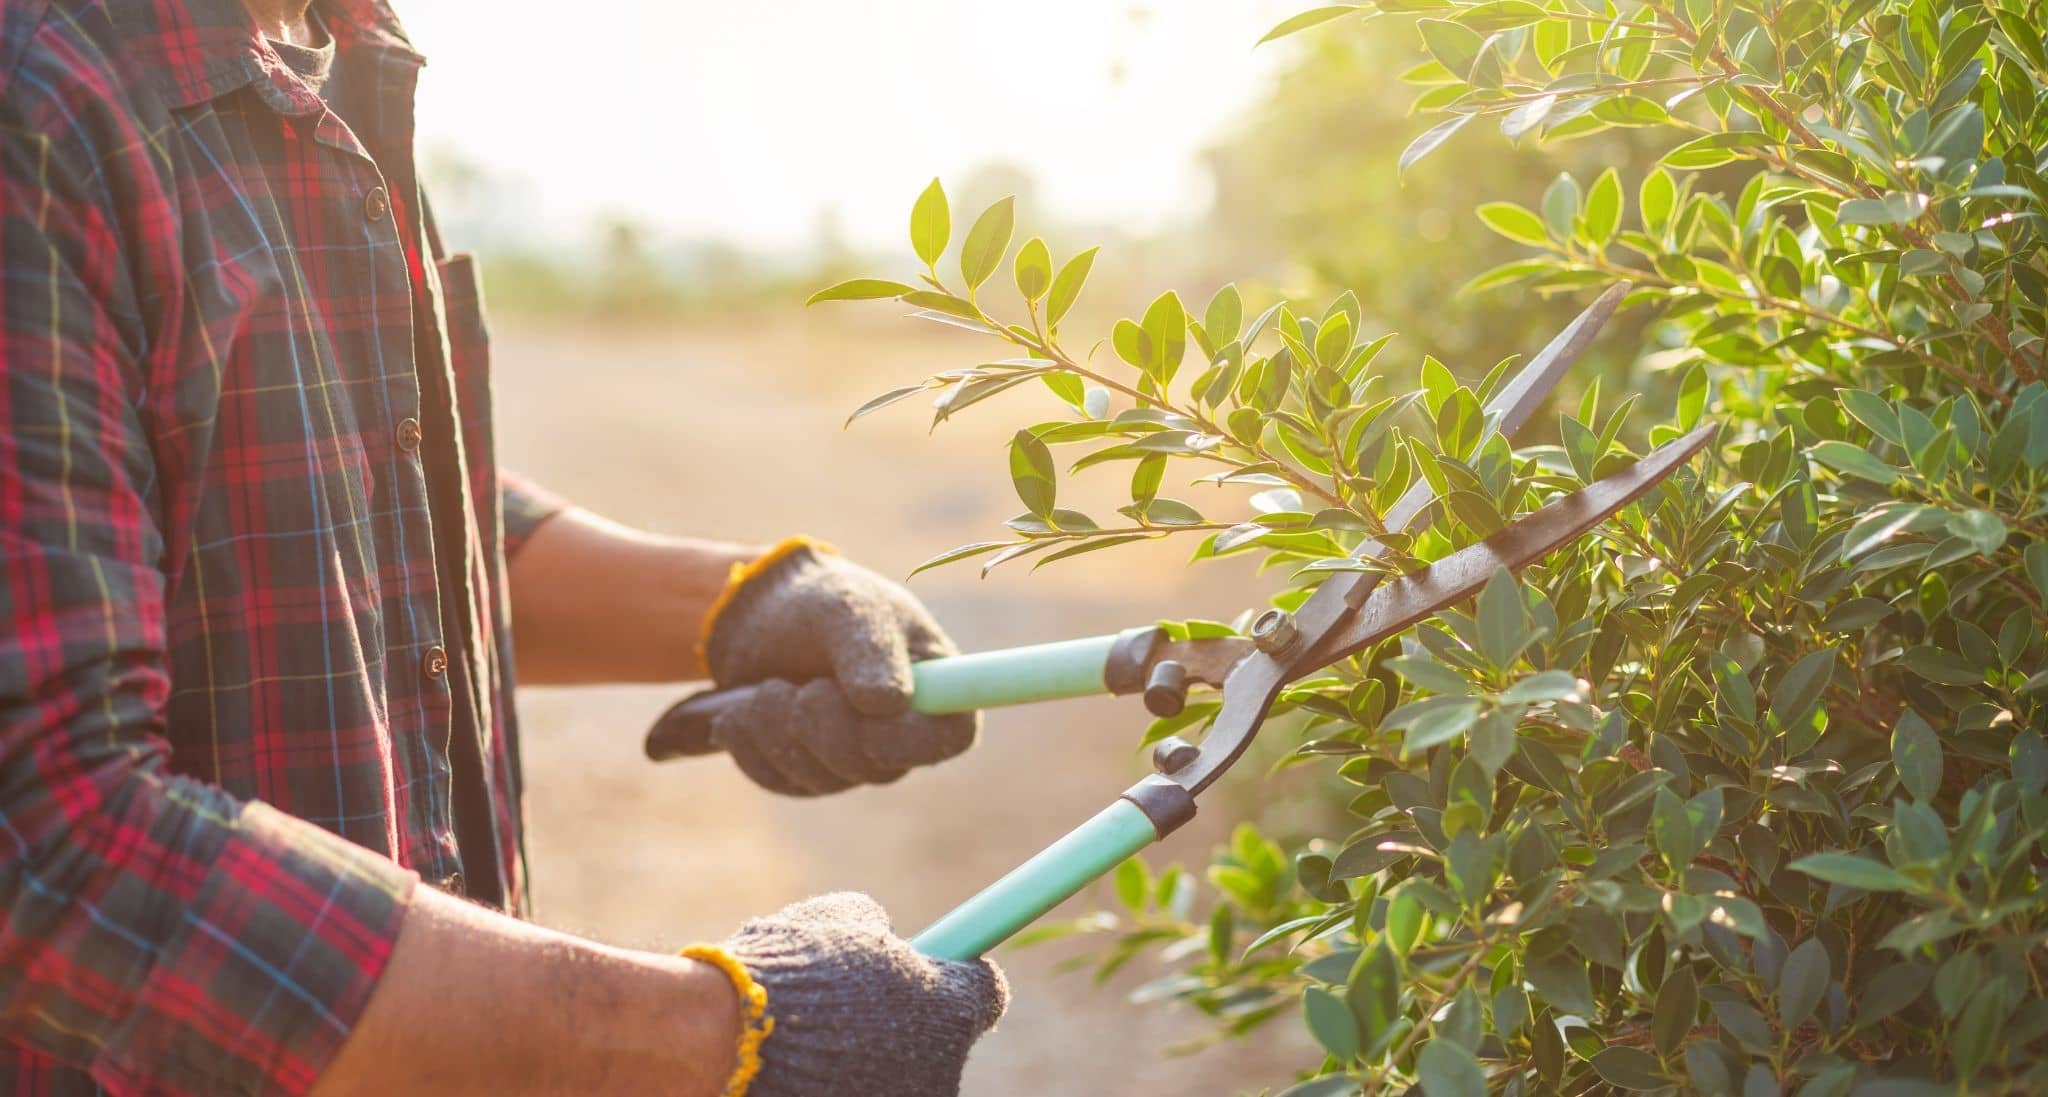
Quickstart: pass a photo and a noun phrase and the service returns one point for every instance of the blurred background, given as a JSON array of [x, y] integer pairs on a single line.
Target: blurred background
[[655, 190]]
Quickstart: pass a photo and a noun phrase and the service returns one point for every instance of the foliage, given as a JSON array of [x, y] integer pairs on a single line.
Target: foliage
[[1306, 197], [1744, 794]]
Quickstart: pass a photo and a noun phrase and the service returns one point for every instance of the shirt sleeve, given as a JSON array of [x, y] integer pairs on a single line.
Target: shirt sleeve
[[154, 930], [527, 505]]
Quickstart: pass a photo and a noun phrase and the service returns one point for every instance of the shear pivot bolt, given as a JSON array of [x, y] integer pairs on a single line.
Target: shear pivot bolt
[[1275, 632]]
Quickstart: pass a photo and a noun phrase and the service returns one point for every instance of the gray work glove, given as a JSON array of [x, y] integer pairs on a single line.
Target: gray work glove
[[855, 1009], [828, 645]]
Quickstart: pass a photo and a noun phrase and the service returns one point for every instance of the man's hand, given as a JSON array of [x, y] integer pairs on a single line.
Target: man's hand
[[827, 645], [855, 1009]]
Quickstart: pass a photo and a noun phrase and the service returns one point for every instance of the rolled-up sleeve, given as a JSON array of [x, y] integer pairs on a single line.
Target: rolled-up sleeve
[[154, 930], [527, 505]]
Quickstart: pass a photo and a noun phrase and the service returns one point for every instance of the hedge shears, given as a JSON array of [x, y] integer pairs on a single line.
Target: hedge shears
[[1348, 613]]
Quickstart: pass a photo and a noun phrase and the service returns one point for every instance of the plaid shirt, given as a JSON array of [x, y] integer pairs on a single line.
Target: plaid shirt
[[252, 540]]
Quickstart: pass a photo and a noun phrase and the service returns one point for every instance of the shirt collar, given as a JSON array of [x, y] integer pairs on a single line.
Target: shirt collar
[[200, 50]]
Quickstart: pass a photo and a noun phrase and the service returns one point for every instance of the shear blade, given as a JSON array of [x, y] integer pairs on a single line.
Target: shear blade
[[1404, 600]]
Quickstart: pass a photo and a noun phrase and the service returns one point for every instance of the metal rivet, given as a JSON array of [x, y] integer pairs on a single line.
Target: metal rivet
[[1173, 754], [1166, 690]]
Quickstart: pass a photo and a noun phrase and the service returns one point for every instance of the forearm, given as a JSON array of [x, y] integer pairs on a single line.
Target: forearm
[[476, 1002], [595, 601]]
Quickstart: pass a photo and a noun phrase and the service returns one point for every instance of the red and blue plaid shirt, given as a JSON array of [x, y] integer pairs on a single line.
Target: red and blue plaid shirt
[[252, 544]]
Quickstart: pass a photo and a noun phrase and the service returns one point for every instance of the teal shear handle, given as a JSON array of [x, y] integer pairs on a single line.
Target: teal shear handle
[[1051, 877], [956, 683]]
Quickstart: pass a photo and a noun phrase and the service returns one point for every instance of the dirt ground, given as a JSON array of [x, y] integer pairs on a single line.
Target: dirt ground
[[736, 432]]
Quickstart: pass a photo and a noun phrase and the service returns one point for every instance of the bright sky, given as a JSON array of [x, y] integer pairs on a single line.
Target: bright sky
[[746, 121]]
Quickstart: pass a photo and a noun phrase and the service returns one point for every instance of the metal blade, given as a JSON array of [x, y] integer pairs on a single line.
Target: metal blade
[[1403, 601], [1406, 599], [1512, 406], [1521, 396]]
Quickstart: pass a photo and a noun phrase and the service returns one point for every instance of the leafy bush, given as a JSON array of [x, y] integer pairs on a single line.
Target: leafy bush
[[1743, 795]]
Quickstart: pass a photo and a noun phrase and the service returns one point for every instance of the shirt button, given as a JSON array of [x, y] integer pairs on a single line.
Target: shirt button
[[409, 435], [434, 664], [376, 204]]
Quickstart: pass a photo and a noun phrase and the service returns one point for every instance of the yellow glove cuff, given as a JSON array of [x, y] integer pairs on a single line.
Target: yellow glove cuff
[[739, 575], [755, 1024]]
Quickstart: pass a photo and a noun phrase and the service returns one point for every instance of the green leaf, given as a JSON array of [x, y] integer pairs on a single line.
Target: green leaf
[[1630, 1068], [1874, 412], [1092, 545], [1224, 316], [1032, 471], [1671, 826], [1732, 691], [861, 289], [1890, 991], [1375, 992], [1561, 205], [1855, 461], [1330, 1022], [1562, 981], [1892, 209], [1678, 1005], [1033, 269], [961, 553], [1984, 530], [1657, 196], [1447, 1070], [1454, 45], [1716, 149], [1549, 685], [1799, 692], [1802, 982], [1439, 725], [1066, 286], [1603, 209], [1133, 883], [1852, 870], [1427, 143], [884, 400], [1916, 754], [1503, 620], [1310, 18], [1977, 1032], [1515, 223], [931, 224], [1166, 338], [1430, 675], [1333, 341], [1692, 396], [982, 252], [1336, 1085], [1146, 477]]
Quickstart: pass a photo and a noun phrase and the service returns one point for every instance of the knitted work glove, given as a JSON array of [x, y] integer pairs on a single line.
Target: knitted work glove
[[828, 644], [838, 1004]]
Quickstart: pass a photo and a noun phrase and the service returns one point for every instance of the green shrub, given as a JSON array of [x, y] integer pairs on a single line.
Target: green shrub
[[1743, 795]]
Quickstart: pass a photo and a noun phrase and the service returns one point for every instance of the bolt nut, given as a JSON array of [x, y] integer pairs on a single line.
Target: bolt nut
[[1173, 754], [1275, 632]]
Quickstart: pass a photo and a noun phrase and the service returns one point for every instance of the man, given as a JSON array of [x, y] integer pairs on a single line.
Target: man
[[258, 570]]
